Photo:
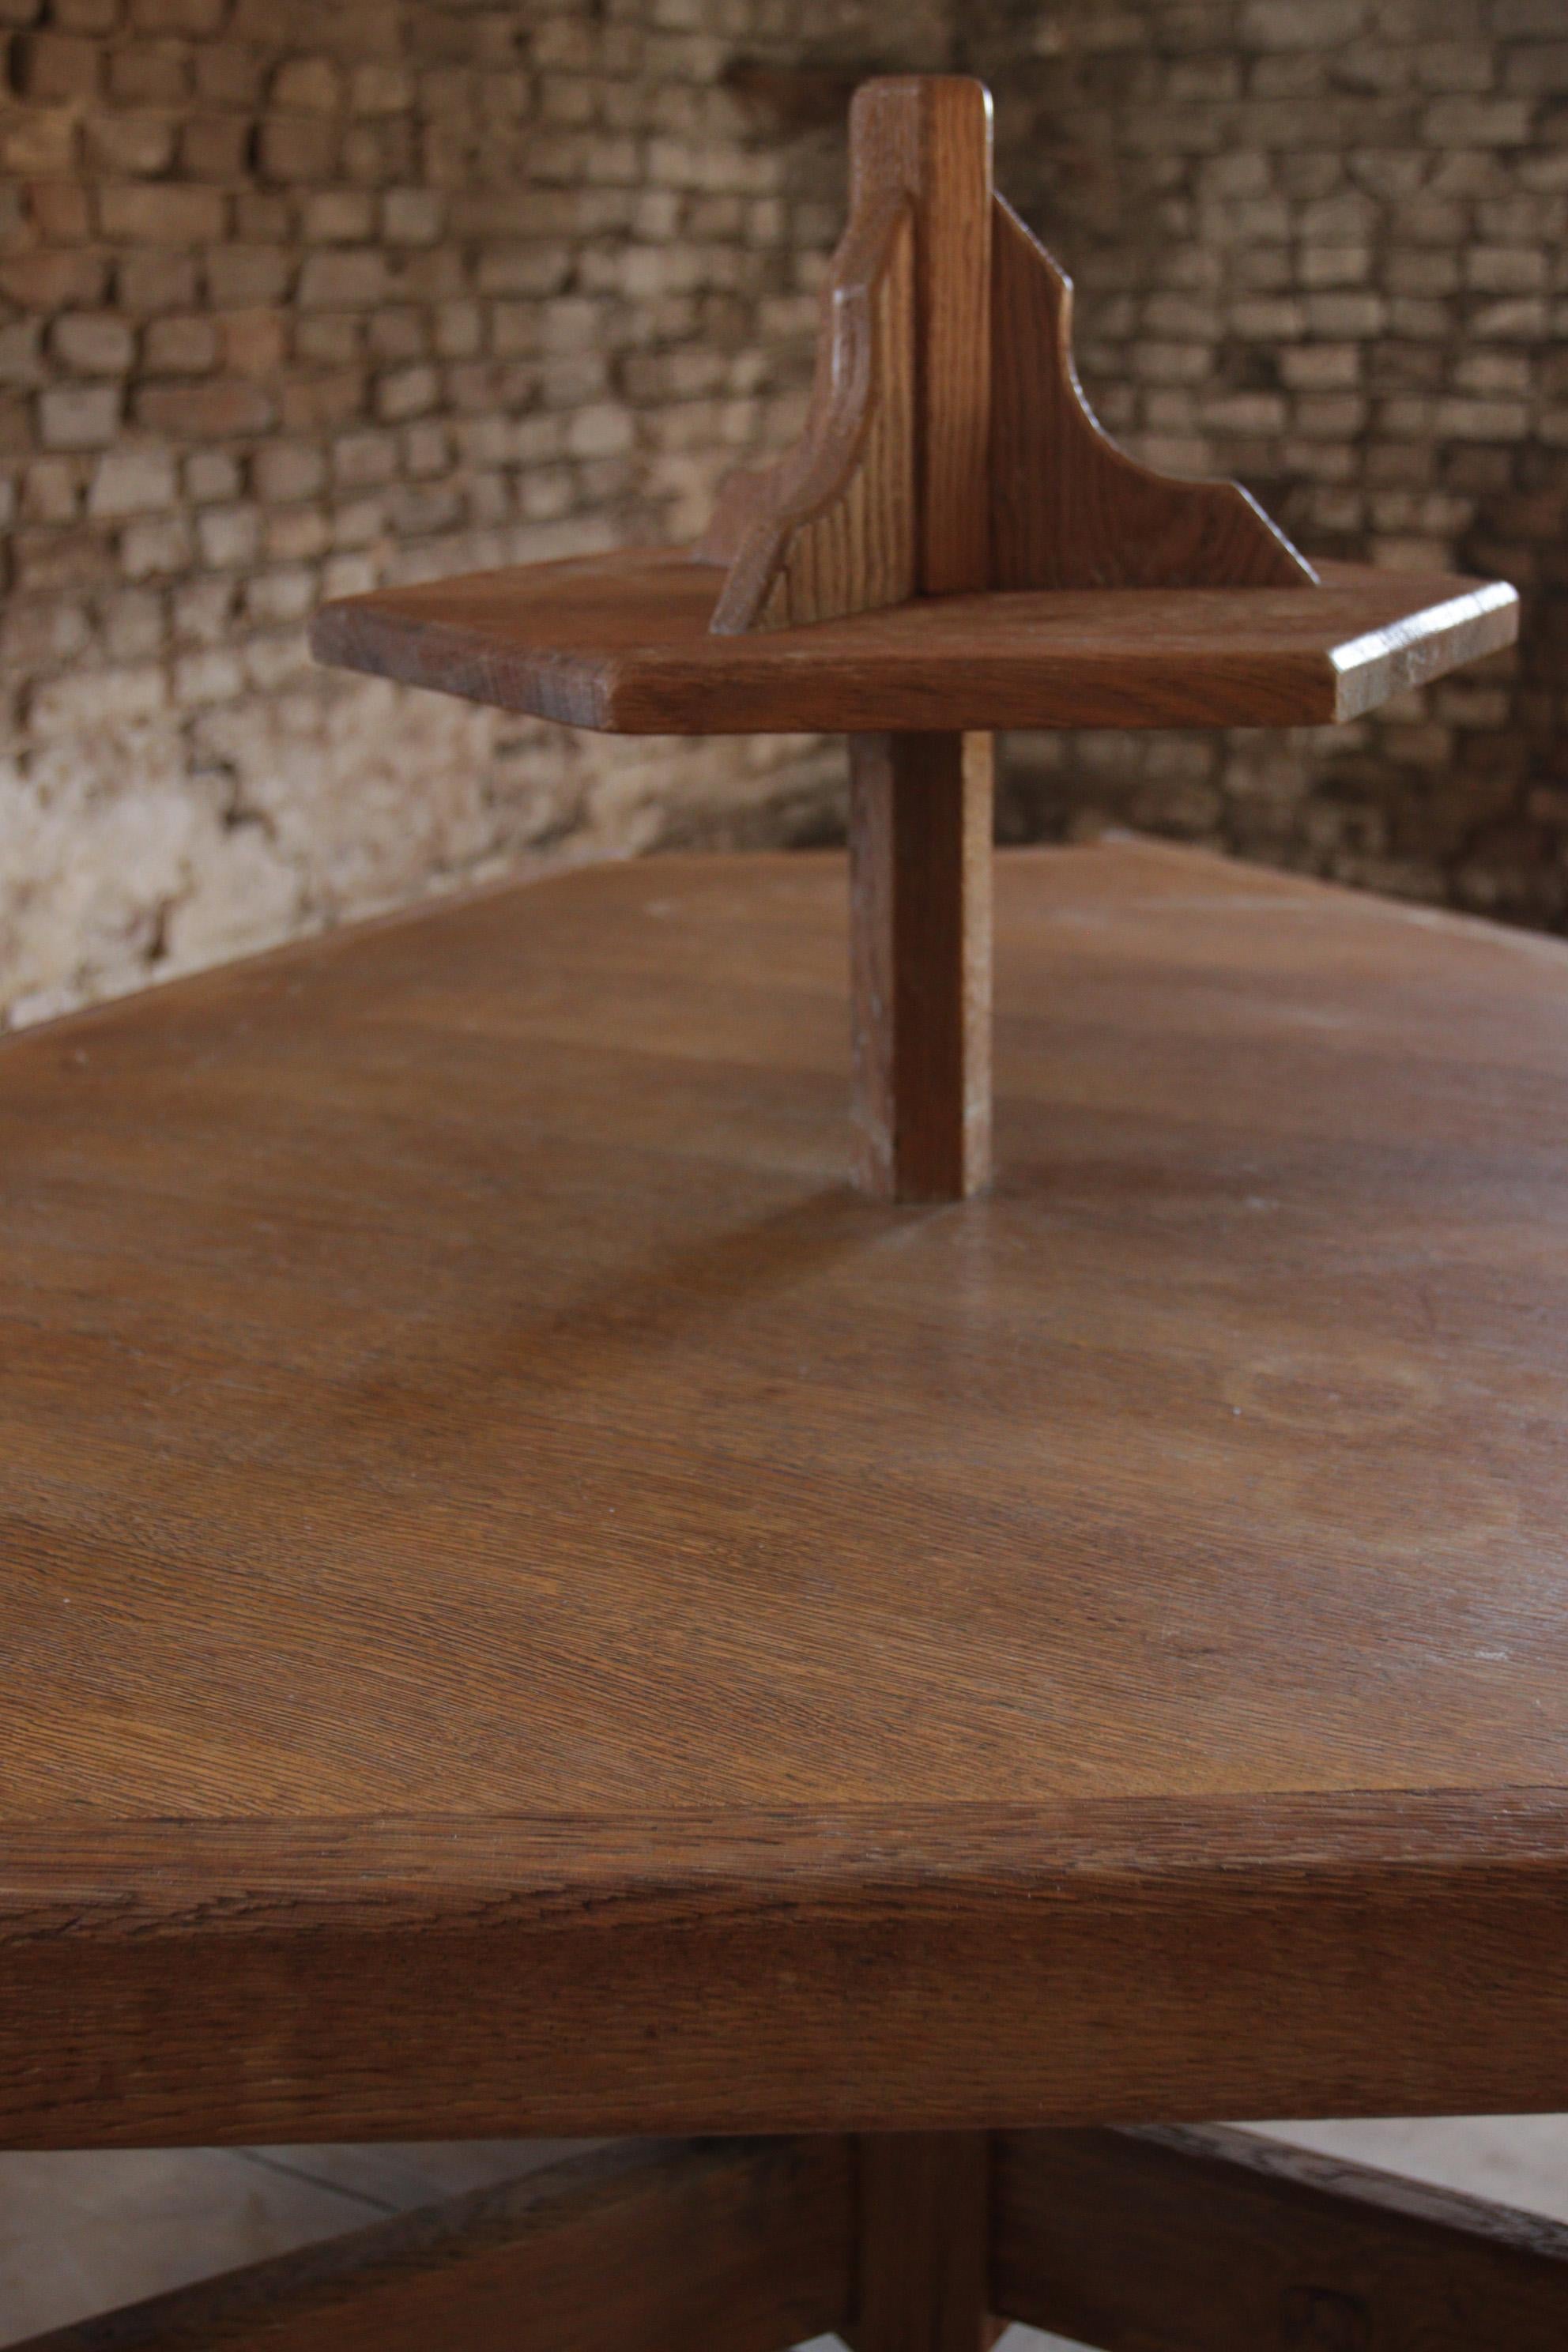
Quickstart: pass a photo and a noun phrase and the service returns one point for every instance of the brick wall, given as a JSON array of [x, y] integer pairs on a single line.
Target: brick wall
[[299, 297], [302, 295], [1319, 245]]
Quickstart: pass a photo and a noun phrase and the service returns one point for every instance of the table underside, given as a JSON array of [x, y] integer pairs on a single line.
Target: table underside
[[492, 1516]]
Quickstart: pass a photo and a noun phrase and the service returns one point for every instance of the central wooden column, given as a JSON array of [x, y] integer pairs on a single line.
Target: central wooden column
[[921, 806], [920, 924], [924, 2236]]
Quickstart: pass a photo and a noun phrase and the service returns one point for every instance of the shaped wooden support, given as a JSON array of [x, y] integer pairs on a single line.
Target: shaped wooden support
[[949, 446], [948, 449]]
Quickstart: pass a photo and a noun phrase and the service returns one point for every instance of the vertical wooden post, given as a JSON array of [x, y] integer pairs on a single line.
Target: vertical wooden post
[[930, 136], [925, 2242], [919, 900]]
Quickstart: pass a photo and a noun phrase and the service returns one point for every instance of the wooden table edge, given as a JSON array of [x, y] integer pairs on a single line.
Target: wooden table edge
[[1369, 668], [129, 1877]]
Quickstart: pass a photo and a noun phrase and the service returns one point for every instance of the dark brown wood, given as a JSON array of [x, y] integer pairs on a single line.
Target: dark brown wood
[[1068, 509], [744, 2247], [833, 528], [921, 822], [911, 474], [924, 2206], [623, 643], [529, 1606], [1216, 2241], [886, 493], [930, 135]]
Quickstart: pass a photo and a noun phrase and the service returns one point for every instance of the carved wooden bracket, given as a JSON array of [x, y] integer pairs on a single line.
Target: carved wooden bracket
[[949, 446]]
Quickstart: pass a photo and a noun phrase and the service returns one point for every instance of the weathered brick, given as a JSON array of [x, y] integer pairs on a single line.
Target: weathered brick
[[151, 548], [291, 147], [80, 16], [380, 87], [354, 280], [411, 217], [240, 276], [407, 391], [228, 73], [51, 67], [150, 73], [339, 216], [180, 346], [364, 460], [133, 481], [307, 85], [187, 19], [228, 536], [130, 142], [211, 475], [214, 147], [162, 215], [22, 353], [40, 139], [50, 281], [97, 698], [78, 415], [211, 410], [92, 342], [254, 343], [150, 282], [286, 471], [59, 210]]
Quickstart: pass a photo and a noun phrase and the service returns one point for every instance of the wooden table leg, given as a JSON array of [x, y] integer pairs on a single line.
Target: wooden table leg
[[919, 895], [924, 2237]]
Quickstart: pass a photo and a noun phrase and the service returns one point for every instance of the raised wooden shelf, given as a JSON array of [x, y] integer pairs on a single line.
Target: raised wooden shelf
[[623, 642], [529, 1605], [954, 545]]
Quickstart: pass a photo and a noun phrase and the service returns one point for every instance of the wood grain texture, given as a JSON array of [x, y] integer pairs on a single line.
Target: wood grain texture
[[1068, 509], [490, 1517], [832, 530], [623, 643], [920, 823], [930, 136], [949, 447], [885, 493], [924, 2211], [743, 2247], [1214, 2241]]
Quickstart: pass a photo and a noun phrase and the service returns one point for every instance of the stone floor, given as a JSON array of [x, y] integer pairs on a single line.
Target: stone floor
[[82, 2232]]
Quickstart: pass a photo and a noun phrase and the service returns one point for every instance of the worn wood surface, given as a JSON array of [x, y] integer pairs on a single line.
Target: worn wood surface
[[921, 822], [622, 641], [1068, 509], [924, 2206], [740, 2246], [529, 1606], [1214, 2241]]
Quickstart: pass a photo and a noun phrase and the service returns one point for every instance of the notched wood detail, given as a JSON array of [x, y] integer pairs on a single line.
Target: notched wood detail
[[1068, 509], [831, 528]]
